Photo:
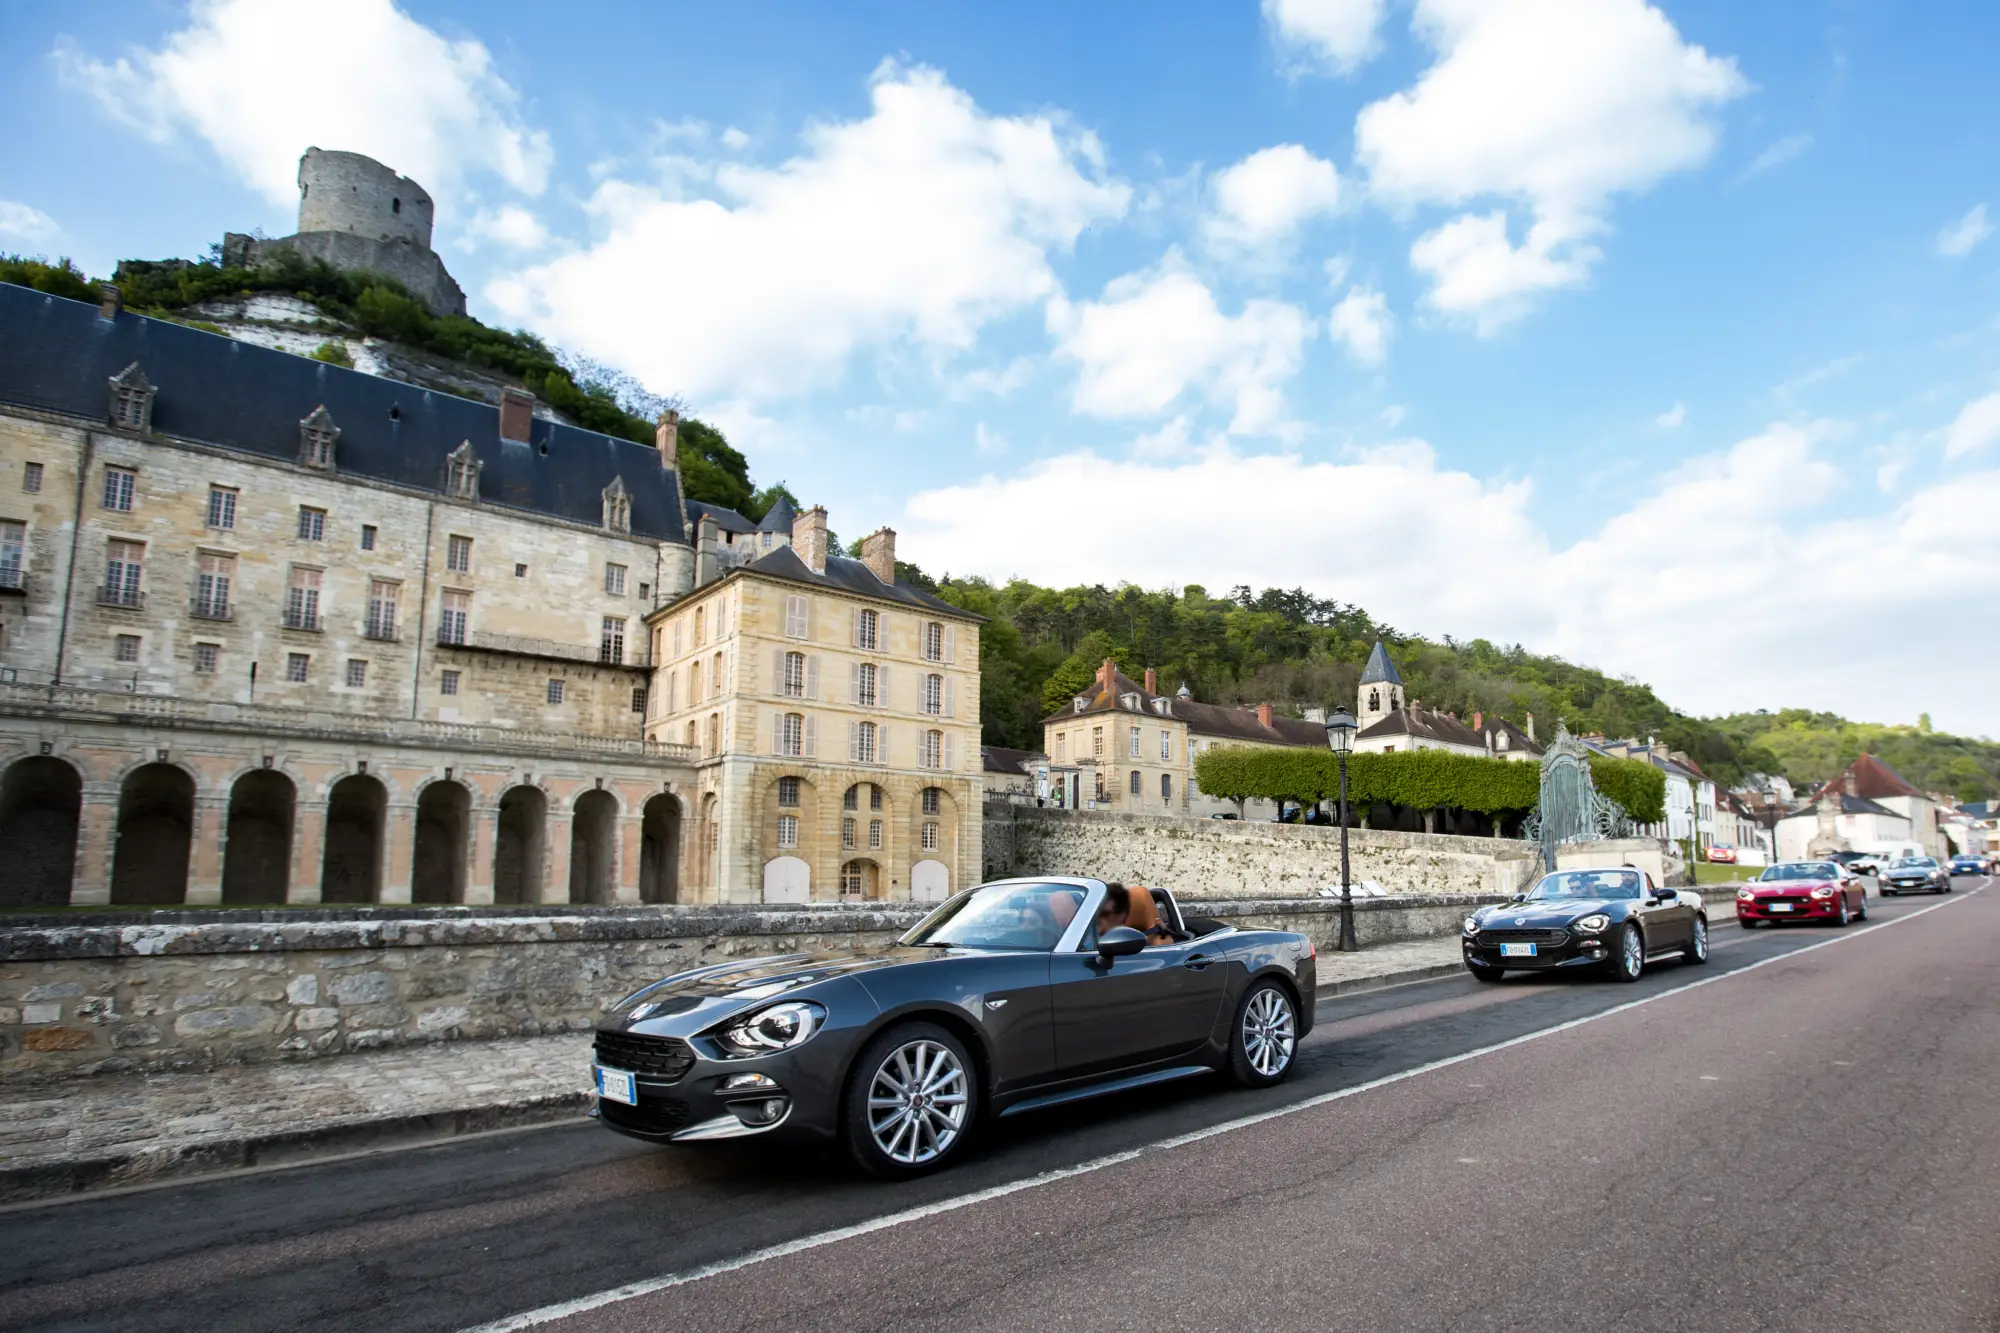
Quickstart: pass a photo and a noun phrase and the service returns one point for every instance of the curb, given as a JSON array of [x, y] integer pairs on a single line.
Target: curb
[[141, 1166], [1428, 972]]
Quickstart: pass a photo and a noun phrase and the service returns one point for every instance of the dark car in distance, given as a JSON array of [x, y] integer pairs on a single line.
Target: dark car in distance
[[1009, 997], [1612, 918], [1915, 874], [1802, 891]]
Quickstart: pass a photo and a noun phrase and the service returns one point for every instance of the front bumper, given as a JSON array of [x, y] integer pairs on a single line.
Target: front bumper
[[685, 1094], [1909, 886], [1788, 907], [1573, 949]]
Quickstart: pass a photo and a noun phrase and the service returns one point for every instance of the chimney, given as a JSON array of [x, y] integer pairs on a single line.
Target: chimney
[[517, 414], [1264, 715], [109, 302], [809, 538], [1478, 719], [1107, 673], [878, 552], [1152, 681], [1531, 726], [667, 435]]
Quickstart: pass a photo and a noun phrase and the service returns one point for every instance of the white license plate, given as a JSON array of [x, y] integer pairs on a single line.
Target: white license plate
[[616, 1085], [1779, 907], [1517, 951]]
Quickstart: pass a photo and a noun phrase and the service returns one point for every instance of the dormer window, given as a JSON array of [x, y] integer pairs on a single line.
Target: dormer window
[[617, 506], [461, 473], [1081, 704], [132, 399], [317, 434], [1131, 701], [1160, 707]]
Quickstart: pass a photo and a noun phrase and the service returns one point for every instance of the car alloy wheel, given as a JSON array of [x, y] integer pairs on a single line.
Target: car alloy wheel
[[1630, 960], [1698, 944], [1266, 1036], [1845, 915], [910, 1101]]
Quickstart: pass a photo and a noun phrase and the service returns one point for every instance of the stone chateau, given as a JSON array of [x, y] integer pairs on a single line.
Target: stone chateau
[[276, 631]]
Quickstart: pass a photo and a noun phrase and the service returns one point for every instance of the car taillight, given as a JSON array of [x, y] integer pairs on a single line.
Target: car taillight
[[1312, 952]]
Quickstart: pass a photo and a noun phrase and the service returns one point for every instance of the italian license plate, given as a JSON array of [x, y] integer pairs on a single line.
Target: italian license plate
[[616, 1085], [1780, 907], [1517, 951]]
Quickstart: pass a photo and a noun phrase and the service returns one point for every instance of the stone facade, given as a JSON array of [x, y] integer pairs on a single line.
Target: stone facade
[[1227, 859]]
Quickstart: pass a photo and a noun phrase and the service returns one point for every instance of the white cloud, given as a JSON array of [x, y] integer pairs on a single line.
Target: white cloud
[[1556, 105], [1820, 374], [1264, 199], [511, 226], [26, 224], [1961, 236], [1779, 153], [1976, 426], [735, 139], [1672, 418], [1363, 322], [922, 221], [1334, 35], [262, 80], [987, 442], [1412, 531], [1158, 336]]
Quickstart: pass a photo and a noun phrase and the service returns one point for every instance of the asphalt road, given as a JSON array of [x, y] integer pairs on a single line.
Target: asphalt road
[[1811, 1143]]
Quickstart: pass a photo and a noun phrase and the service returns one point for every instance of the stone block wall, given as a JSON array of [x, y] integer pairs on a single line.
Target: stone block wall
[[1213, 858]]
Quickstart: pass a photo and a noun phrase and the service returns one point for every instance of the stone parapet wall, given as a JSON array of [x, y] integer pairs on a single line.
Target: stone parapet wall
[[1215, 858], [196, 990]]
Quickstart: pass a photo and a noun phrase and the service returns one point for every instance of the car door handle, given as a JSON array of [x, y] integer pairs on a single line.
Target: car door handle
[[1195, 962]]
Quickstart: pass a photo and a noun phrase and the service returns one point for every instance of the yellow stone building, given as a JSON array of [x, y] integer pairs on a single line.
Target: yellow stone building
[[276, 631]]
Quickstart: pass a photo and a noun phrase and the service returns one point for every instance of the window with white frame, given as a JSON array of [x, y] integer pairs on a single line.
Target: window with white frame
[[694, 682], [125, 648], [453, 617], [215, 573], [700, 626], [874, 796], [715, 733], [205, 656], [312, 524], [31, 477], [302, 599], [119, 484], [1133, 785], [932, 752], [867, 629], [788, 792], [847, 834], [864, 684], [298, 667], [1166, 746], [933, 800], [930, 835], [874, 835], [1167, 788], [458, 555], [792, 735], [611, 640], [555, 695], [357, 673], [383, 597], [795, 675], [797, 619], [614, 580], [1135, 743], [1062, 746], [222, 506], [368, 531], [639, 699], [788, 831], [448, 682], [933, 642], [123, 565], [13, 553], [934, 694], [865, 737]]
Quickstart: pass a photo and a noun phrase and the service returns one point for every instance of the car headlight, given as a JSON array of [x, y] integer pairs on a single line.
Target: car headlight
[[1592, 924], [1472, 925], [1822, 893], [1745, 893], [778, 1028]]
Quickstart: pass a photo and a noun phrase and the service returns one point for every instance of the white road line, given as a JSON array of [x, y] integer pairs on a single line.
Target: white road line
[[548, 1314]]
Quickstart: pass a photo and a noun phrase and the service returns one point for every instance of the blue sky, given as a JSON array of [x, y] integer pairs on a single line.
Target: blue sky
[[1660, 336]]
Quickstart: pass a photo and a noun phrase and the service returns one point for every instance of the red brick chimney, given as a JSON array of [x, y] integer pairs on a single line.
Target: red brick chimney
[[667, 438], [1107, 673], [1263, 715], [517, 414], [1152, 681], [878, 552], [1478, 719]]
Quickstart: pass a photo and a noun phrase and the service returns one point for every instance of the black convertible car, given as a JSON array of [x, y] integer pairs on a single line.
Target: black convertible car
[[1613, 918], [1009, 997]]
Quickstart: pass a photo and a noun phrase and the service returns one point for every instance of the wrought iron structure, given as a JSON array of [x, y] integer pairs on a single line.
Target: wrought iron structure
[[1570, 808]]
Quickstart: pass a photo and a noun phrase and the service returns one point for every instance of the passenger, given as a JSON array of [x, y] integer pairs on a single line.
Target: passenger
[[1112, 912], [1143, 915]]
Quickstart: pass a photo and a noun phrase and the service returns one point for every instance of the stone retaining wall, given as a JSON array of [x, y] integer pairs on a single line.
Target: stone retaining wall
[[194, 990], [1217, 858]]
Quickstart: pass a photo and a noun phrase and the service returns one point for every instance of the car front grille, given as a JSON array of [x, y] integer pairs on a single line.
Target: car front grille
[[659, 1059], [653, 1115], [1518, 935]]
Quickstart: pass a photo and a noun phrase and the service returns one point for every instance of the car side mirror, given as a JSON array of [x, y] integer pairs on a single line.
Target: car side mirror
[[1665, 896], [1119, 942], [1518, 898]]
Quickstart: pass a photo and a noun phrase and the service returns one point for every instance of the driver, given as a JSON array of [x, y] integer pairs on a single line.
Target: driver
[[1132, 907]]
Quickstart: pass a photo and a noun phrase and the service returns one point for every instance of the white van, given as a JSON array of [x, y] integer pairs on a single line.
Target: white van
[[1882, 853]]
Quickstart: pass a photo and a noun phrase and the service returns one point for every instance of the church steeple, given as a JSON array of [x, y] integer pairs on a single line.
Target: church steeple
[[1381, 691]]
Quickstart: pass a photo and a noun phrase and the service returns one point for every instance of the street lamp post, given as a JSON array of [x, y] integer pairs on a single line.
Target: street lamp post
[[1340, 739]]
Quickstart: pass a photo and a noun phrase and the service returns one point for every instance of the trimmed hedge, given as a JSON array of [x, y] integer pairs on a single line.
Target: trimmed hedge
[[1422, 779]]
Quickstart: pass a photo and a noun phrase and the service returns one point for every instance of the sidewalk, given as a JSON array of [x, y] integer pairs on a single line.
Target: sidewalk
[[117, 1130]]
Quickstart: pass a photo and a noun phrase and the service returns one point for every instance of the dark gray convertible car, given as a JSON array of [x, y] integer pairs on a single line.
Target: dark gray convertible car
[[1012, 996]]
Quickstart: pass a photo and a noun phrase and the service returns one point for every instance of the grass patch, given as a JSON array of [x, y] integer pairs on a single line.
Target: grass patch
[[1705, 873]]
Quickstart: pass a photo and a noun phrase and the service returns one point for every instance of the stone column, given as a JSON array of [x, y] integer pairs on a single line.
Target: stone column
[[399, 839], [555, 884], [205, 848], [630, 835], [308, 852], [96, 833], [484, 831]]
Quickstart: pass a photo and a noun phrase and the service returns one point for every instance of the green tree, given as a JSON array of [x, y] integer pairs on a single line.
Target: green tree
[[712, 470], [1076, 672]]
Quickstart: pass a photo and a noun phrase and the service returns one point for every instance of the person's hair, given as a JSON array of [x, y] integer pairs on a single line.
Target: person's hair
[[1116, 895]]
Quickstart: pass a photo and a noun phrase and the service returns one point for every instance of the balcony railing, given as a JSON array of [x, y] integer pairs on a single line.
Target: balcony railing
[[296, 618], [207, 608], [130, 598], [527, 646], [13, 578], [381, 630]]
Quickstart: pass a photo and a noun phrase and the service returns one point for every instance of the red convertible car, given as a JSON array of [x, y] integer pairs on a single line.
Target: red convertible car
[[1722, 854], [1801, 891]]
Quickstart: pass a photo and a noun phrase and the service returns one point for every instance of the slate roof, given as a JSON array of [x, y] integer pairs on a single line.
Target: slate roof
[[727, 519], [1000, 759], [1424, 724], [849, 576], [59, 354], [1380, 670], [780, 518], [1849, 805], [1218, 720]]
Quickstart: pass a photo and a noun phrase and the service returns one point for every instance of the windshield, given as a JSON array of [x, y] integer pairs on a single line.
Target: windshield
[[1800, 870], [1913, 863], [1591, 884], [1003, 916]]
